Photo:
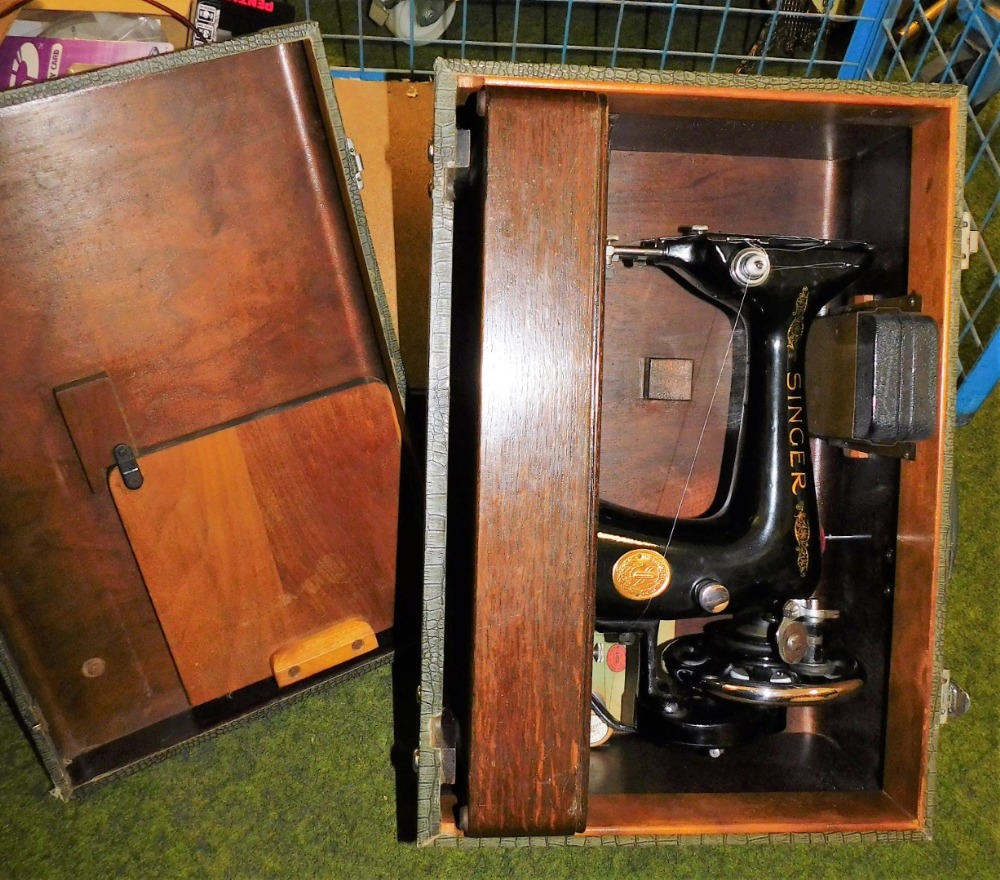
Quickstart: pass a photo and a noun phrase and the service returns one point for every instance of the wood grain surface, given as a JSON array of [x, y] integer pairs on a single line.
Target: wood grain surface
[[262, 534], [649, 447], [96, 423], [536, 505], [323, 650], [926, 488], [192, 245]]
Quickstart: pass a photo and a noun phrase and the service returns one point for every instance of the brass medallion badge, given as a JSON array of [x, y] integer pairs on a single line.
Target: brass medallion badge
[[641, 574]]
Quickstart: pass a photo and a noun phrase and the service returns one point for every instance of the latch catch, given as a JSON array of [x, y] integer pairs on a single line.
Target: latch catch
[[127, 466]]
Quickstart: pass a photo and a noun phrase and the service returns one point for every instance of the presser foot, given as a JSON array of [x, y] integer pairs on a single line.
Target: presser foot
[[767, 661]]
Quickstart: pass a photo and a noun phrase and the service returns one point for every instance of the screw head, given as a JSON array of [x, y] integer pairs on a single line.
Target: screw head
[[713, 597], [793, 640], [94, 667]]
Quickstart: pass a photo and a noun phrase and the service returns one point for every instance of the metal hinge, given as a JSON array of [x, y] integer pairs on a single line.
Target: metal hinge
[[443, 737], [359, 166], [955, 701], [456, 173], [378, 12], [970, 239]]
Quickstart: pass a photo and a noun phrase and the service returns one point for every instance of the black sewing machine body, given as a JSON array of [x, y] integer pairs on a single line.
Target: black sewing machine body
[[757, 556], [762, 543]]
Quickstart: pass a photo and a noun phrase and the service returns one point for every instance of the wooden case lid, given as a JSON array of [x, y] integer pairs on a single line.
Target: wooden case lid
[[188, 276]]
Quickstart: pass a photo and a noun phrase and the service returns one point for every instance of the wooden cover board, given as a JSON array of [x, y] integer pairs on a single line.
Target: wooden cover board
[[248, 538], [537, 483]]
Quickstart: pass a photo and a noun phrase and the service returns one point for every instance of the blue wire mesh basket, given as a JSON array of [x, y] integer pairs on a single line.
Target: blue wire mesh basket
[[948, 41]]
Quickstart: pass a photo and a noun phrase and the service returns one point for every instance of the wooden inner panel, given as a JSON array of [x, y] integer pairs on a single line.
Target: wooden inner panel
[[751, 813], [242, 541], [537, 448], [923, 482], [732, 102], [94, 419], [154, 230], [650, 447]]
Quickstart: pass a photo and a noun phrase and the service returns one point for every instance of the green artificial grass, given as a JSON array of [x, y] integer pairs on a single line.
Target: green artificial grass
[[309, 791]]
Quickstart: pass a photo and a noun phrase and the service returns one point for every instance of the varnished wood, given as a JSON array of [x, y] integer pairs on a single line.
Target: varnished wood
[[204, 261], [536, 494], [763, 814], [96, 423], [749, 813], [244, 542], [696, 99], [921, 492], [345, 640]]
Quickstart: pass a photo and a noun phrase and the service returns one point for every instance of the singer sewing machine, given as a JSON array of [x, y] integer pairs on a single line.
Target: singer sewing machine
[[757, 557], [701, 475]]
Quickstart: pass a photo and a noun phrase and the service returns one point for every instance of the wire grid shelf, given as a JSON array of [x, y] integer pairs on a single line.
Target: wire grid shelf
[[791, 38], [951, 41], [957, 41]]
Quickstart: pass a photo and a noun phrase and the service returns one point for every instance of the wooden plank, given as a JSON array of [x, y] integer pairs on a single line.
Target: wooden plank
[[323, 650], [925, 482], [759, 814], [262, 534], [96, 424], [747, 813], [545, 168], [199, 537], [732, 102]]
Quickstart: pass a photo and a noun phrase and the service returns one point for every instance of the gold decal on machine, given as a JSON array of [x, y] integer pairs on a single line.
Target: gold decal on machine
[[797, 459], [798, 321], [802, 537]]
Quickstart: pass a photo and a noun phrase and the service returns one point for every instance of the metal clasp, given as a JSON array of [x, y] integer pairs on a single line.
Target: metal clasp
[[955, 701], [127, 465], [359, 166]]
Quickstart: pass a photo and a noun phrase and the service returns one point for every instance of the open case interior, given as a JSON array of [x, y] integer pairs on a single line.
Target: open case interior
[[200, 403], [875, 168]]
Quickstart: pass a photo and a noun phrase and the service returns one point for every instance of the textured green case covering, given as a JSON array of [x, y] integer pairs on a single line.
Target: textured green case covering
[[307, 32], [432, 639]]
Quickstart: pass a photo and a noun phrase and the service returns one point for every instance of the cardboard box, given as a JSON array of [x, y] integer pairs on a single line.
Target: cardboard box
[[520, 160], [28, 60], [175, 31]]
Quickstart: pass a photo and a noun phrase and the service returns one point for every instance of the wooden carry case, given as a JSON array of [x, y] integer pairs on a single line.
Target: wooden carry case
[[200, 405], [540, 405]]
